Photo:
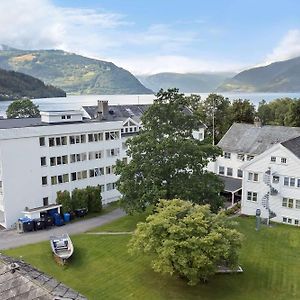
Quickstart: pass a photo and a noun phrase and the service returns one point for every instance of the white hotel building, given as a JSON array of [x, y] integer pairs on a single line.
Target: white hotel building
[[63, 150]]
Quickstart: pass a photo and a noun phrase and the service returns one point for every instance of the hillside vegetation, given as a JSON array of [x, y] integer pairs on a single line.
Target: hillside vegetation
[[15, 85], [187, 83], [73, 73], [282, 76]]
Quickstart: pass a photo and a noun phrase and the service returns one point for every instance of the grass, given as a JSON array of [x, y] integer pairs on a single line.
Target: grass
[[101, 268]]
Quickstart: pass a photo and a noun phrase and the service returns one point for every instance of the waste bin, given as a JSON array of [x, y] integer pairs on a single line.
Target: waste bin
[[67, 217], [39, 224], [25, 224], [49, 221], [81, 212], [58, 220]]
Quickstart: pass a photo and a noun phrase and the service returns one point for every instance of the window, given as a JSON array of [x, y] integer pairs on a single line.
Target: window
[[227, 155], [241, 156], [253, 176], [273, 158], [58, 160], [52, 161], [44, 180], [51, 142], [102, 188], [112, 135], [43, 161], [64, 140], [125, 160], [72, 140], [65, 159], [289, 203], [284, 202], [109, 170], [63, 117], [283, 160], [84, 174], [229, 171], [239, 173], [275, 179], [83, 138], [73, 176], [284, 220], [45, 201], [53, 180], [68, 117], [292, 181], [42, 141], [286, 181], [296, 222], [252, 196], [66, 178], [221, 170], [289, 221], [59, 179], [298, 182], [250, 157], [58, 141], [110, 186], [92, 173]]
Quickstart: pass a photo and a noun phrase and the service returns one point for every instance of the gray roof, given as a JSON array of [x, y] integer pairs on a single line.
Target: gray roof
[[22, 281], [293, 145], [231, 184], [120, 112], [248, 138]]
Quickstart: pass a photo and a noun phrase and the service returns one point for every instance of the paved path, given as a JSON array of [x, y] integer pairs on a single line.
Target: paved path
[[110, 233], [12, 239]]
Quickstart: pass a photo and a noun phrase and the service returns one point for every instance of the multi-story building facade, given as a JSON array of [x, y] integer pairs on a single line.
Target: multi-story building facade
[[272, 183], [262, 164], [63, 150]]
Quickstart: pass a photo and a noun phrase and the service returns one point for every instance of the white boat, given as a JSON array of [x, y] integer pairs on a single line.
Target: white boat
[[62, 247]]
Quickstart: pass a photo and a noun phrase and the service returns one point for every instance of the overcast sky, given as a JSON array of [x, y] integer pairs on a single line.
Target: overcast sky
[[159, 35]]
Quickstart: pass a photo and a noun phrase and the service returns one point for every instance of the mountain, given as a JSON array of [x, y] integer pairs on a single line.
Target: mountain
[[15, 85], [187, 83], [73, 73], [282, 76]]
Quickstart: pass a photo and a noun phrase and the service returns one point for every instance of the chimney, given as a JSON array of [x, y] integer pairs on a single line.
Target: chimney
[[102, 109], [257, 122]]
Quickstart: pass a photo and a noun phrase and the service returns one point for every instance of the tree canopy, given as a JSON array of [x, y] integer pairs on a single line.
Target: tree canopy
[[22, 109], [167, 162], [187, 240]]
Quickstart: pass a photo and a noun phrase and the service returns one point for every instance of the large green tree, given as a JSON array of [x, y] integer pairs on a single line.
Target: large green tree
[[167, 162], [242, 111], [214, 112], [187, 240], [22, 109]]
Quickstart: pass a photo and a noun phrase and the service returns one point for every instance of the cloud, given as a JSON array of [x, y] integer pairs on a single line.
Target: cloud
[[175, 63], [39, 24], [288, 47]]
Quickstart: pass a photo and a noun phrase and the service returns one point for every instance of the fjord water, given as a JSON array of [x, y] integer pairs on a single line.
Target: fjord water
[[75, 102]]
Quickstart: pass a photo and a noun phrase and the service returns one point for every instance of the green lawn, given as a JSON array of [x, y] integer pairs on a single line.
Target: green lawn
[[101, 268]]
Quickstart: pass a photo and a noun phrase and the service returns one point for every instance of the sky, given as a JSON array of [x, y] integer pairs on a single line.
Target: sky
[[147, 37]]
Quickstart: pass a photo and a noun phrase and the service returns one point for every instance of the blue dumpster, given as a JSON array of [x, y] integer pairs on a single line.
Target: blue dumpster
[[58, 220], [67, 217]]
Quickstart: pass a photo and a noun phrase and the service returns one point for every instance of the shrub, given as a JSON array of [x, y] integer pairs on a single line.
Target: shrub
[[79, 199], [64, 199], [94, 198]]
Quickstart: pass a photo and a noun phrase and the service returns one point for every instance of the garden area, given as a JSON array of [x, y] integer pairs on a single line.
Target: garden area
[[101, 267]]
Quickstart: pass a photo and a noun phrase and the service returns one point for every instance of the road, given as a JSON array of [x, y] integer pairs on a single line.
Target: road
[[12, 239]]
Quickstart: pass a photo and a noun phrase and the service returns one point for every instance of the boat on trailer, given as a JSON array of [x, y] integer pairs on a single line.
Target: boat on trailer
[[62, 247]]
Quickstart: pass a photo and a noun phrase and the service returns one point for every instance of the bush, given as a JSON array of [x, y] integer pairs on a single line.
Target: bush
[[79, 199], [64, 199], [94, 198]]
